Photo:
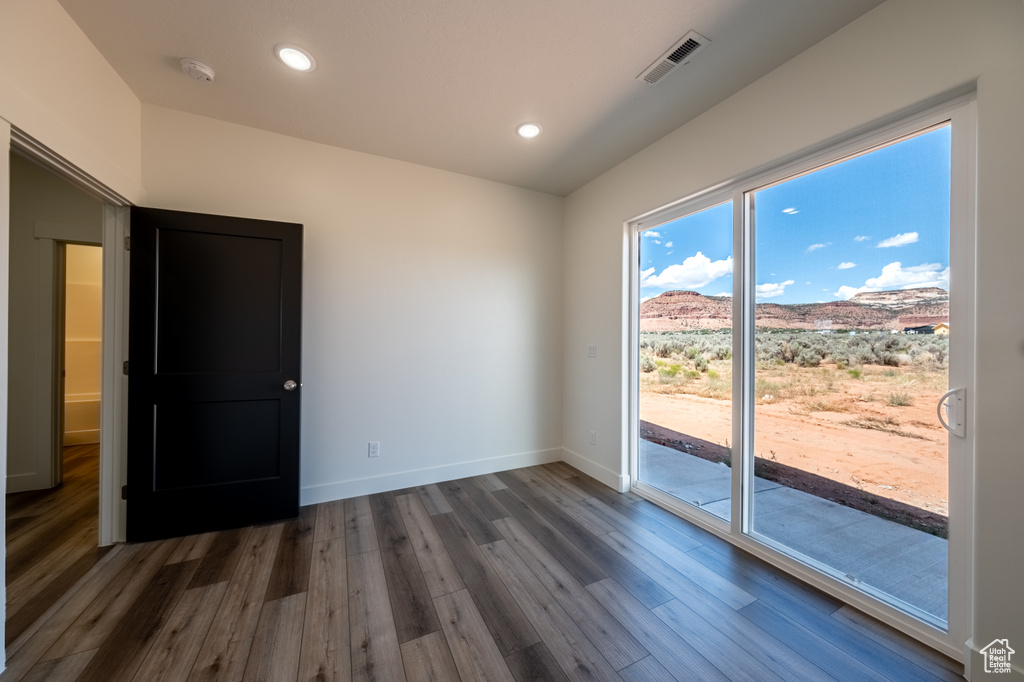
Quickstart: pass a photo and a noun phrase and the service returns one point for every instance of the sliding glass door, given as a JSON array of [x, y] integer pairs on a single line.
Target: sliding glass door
[[851, 357], [685, 360], [814, 433]]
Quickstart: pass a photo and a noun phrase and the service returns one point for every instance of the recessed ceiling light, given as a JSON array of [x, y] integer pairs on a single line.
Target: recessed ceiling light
[[295, 57], [528, 130]]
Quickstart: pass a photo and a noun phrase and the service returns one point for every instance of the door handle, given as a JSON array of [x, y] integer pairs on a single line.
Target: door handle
[[953, 399], [290, 385]]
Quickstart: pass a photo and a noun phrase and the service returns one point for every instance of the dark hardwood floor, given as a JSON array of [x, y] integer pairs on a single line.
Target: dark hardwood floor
[[51, 539], [534, 574]]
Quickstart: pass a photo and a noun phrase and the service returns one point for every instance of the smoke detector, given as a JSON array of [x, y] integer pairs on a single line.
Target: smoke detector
[[197, 70], [680, 53]]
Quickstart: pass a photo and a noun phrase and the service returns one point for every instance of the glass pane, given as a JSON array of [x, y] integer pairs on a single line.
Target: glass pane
[[686, 358], [851, 343]]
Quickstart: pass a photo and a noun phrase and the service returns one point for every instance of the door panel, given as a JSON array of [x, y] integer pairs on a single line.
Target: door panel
[[850, 459], [685, 377], [213, 435]]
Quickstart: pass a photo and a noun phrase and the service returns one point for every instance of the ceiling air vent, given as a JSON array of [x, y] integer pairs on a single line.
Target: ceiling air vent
[[680, 53]]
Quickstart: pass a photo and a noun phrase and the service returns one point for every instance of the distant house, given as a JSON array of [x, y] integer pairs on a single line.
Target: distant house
[[923, 329], [941, 328]]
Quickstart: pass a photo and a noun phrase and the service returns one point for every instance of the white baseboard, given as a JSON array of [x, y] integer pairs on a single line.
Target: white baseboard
[[17, 483], [612, 479], [341, 490], [82, 437]]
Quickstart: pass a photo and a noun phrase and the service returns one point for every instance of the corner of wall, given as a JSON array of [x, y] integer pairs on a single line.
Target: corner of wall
[[612, 479]]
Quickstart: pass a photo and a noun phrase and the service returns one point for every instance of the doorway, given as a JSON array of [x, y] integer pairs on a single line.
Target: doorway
[[52, 520]]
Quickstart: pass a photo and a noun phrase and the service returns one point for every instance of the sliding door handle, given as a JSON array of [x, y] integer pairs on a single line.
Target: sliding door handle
[[953, 400]]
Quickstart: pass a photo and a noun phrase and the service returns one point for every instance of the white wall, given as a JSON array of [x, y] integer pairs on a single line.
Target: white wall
[[897, 56], [56, 86], [431, 301]]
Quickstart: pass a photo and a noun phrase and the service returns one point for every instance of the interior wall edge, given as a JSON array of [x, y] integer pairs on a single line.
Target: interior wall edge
[[613, 479]]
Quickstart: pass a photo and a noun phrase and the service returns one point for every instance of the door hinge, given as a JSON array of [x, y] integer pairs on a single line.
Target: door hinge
[[127, 243], [124, 368], [124, 492]]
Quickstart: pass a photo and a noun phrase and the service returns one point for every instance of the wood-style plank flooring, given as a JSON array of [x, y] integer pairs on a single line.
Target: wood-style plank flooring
[[51, 539], [534, 574]]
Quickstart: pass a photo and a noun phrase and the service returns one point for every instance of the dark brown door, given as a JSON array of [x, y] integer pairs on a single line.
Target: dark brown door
[[213, 388]]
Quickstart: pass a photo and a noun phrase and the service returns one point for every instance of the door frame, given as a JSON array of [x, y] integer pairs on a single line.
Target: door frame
[[962, 112], [114, 390]]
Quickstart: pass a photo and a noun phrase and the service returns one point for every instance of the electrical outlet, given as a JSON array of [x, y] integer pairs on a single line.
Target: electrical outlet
[[591, 350], [374, 449], [593, 437]]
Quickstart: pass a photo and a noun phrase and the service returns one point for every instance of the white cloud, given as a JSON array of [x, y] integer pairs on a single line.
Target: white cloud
[[696, 271], [652, 233], [657, 241], [861, 238], [806, 282], [899, 240], [646, 298], [771, 290], [895, 276], [670, 253], [846, 266], [815, 247], [726, 294], [668, 245]]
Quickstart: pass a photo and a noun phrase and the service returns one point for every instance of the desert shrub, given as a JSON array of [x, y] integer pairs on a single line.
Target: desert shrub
[[889, 359], [855, 373], [824, 406], [763, 388], [809, 359], [691, 352], [716, 388], [712, 374], [786, 352], [663, 350], [646, 364], [938, 351], [900, 400], [691, 374], [722, 353], [670, 371], [700, 363]]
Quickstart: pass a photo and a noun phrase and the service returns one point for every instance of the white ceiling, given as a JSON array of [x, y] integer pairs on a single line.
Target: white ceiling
[[444, 83]]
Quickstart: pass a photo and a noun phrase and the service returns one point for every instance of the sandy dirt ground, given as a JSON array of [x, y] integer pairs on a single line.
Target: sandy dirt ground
[[908, 466]]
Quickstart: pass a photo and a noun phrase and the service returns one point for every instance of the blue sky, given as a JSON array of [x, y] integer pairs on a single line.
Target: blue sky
[[877, 222]]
